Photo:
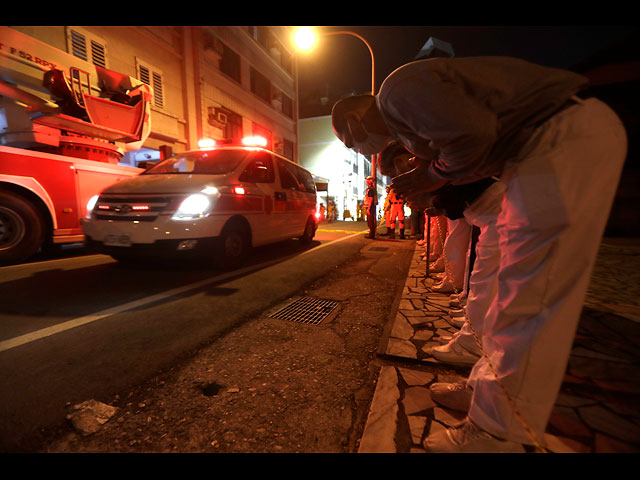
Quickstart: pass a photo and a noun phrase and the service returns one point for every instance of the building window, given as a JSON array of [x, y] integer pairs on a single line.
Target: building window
[[260, 85], [367, 168], [272, 44], [287, 106], [230, 64], [153, 77], [288, 150], [86, 46], [227, 121], [286, 62]]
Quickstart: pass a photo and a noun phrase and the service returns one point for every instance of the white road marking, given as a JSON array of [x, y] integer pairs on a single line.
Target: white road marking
[[45, 262], [332, 242], [92, 317]]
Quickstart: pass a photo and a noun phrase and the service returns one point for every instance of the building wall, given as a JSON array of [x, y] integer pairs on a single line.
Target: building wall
[[325, 156], [187, 58]]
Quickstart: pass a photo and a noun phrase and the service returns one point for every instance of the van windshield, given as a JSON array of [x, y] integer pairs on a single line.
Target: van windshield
[[210, 162]]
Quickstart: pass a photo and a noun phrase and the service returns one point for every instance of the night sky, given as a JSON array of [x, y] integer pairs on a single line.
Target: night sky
[[340, 64]]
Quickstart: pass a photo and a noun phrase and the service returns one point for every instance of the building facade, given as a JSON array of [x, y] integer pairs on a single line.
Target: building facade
[[344, 170], [208, 81]]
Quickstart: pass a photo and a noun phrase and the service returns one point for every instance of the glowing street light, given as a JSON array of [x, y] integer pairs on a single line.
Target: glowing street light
[[304, 38]]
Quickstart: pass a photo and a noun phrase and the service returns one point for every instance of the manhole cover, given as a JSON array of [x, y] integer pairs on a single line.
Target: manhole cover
[[307, 310], [379, 249]]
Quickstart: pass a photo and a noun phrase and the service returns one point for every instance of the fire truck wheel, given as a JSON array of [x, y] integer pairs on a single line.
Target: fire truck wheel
[[234, 245], [309, 232], [22, 229]]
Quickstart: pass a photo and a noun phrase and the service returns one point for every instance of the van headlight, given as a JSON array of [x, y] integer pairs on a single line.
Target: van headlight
[[90, 205], [194, 206]]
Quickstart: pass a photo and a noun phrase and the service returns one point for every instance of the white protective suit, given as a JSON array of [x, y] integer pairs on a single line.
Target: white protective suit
[[483, 283], [559, 162], [456, 248]]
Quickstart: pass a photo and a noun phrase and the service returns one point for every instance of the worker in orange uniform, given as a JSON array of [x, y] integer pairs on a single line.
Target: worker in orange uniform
[[386, 210], [396, 212]]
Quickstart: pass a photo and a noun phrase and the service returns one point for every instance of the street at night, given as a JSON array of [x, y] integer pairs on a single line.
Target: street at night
[[275, 385], [338, 239]]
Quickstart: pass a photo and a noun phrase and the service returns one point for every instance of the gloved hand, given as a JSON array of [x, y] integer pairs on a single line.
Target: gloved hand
[[416, 181]]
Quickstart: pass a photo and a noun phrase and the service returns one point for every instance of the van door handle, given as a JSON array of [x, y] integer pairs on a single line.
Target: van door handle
[[280, 196]]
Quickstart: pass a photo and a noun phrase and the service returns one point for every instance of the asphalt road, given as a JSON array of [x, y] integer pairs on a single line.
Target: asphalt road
[[72, 326]]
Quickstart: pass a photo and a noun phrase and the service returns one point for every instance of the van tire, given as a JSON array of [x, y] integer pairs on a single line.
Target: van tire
[[22, 229], [309, 232], [234, 245]]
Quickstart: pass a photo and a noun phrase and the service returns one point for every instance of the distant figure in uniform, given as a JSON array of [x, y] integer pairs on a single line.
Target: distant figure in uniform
[[386, 210], [370, 202], [396, 212], [330, 210]]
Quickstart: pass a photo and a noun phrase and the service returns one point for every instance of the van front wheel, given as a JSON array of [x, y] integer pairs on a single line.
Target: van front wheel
[[234, 246]]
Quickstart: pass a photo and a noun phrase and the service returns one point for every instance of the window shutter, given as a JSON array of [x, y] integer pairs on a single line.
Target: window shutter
[[144, 75], [158, 96], [78, 45], [87, 47], [152, 77], [98, 54]]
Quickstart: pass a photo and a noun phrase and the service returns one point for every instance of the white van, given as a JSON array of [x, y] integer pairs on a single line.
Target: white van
[[216, 202]]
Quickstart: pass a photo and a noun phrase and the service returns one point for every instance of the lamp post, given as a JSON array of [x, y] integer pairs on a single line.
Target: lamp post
[[304, 38]]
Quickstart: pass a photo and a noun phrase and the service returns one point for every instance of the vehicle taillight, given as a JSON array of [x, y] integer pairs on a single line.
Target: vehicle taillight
[[140, 208], [239, 190]]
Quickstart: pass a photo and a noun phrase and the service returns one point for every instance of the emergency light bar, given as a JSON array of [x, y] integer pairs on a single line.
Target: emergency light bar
[[206, 143], [253, 141]]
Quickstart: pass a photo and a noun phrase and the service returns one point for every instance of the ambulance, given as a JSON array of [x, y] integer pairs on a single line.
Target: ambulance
[[215, 203]]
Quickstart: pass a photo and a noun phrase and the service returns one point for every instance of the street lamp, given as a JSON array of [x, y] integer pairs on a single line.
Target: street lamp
[[305, 39]]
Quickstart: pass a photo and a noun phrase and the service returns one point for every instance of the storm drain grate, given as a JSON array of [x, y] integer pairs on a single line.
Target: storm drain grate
[[379, 249], [307, 310]]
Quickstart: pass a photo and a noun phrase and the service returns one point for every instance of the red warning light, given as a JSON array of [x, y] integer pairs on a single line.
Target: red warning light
[[254, 141], [206, 143], [239, 190]]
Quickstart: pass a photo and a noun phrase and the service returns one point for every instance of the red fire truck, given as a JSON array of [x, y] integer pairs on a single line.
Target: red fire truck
[[64, 126]]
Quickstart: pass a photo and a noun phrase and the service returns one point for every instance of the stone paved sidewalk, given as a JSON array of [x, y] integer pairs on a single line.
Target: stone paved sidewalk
[[598, 407]]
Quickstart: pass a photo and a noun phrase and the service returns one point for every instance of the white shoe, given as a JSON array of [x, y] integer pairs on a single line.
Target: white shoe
[[443, 288], [457, 322], [468, 438], [435, 268], [457, 317], [454, 396], [454, 354]]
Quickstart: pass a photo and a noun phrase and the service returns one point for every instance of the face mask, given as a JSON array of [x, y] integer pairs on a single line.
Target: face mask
[[374, 143]]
